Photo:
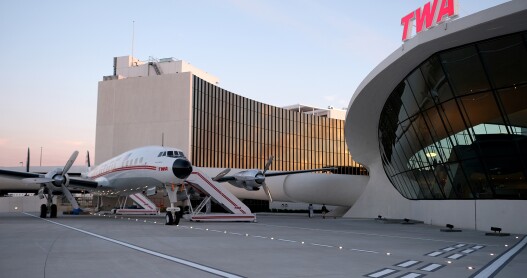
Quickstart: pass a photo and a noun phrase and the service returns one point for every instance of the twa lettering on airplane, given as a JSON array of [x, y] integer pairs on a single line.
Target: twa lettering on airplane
[[428, 16]]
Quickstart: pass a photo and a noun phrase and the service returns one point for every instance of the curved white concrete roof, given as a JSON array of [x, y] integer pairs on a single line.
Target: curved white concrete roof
[[365, 107]]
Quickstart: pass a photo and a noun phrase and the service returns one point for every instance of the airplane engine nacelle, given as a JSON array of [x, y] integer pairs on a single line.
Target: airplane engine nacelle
[[251, 186]]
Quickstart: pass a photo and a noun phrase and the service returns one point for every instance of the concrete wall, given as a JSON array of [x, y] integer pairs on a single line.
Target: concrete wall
[[381, 198], [137, 111]]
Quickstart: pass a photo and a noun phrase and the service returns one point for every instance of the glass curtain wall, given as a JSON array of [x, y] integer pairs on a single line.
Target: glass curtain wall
[[456, 126], [231, 131]]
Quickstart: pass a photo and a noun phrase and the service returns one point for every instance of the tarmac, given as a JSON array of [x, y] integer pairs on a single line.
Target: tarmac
[[275, 246]]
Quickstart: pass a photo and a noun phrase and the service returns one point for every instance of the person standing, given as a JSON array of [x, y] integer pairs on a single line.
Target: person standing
[[324, 211], [310, 208]]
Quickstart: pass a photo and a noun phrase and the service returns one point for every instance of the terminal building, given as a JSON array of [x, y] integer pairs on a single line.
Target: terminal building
[[441, 125], [172, 103]]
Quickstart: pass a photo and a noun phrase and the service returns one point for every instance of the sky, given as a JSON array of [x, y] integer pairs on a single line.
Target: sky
[[279, 52]]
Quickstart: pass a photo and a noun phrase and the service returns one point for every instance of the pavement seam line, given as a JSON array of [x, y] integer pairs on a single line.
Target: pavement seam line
[[147, 251]]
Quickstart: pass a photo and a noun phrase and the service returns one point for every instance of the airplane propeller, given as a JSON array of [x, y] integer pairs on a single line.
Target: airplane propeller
[[58, 178], [260, 178], [221, 174]]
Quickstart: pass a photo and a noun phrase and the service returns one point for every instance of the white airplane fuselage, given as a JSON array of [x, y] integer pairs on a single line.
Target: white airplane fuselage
[[140, 169]]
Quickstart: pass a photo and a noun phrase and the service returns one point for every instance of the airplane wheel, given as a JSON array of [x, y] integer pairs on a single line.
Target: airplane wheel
[[176, 221], [168, 218], [53, 211], [43, 211]]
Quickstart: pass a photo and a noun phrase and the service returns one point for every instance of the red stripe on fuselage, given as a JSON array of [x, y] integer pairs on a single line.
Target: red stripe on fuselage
[[127, 168]]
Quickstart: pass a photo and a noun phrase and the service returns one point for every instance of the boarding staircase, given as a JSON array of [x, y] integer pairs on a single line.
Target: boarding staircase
[[147, 206], [238, 211]]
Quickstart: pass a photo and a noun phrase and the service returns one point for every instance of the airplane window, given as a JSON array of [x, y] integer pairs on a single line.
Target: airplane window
[[164, 154], [160, 154], [175, 154]]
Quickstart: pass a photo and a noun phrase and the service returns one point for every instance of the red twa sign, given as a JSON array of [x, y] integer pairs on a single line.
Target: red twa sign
[[431, 14]]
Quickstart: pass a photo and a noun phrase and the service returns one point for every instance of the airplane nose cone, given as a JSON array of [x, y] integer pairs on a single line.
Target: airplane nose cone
[[182, 168]]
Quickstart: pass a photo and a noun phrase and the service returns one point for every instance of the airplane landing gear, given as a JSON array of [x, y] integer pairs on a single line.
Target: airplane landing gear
[[168, 218], [176, 220], [172, 217], [53, 211], [43, 211], [52, 208]]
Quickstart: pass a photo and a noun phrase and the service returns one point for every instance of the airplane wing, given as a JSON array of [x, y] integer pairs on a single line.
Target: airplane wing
[[74, 182], [231, 178], [83, 183], [299, 171], [17, 174], [225, 178]]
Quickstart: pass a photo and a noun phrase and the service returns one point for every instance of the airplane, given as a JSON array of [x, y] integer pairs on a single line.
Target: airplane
[[142, 169], [134, 171]]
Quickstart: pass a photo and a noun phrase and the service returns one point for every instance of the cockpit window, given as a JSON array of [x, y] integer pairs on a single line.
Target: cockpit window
[[160, 154], [175, 154]]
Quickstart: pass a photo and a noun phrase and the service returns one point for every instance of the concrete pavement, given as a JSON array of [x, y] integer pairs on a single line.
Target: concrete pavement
[[276, 246]]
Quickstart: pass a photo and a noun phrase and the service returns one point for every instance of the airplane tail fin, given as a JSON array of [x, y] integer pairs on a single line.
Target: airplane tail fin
[[27, 161], [88, 164]]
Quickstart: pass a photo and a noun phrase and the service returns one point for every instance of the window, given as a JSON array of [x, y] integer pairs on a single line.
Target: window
[[471, 143]]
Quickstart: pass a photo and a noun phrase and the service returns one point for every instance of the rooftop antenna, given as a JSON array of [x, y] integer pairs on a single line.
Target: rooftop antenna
[[133, 34]]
